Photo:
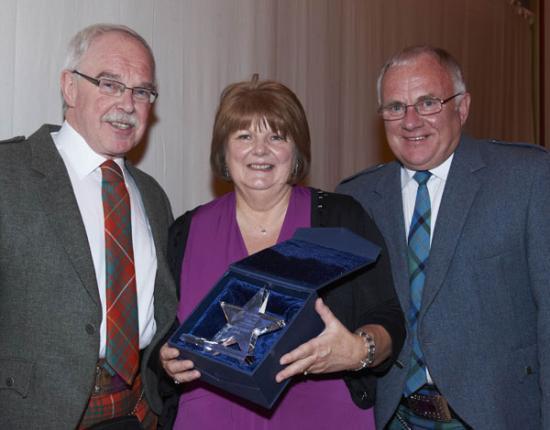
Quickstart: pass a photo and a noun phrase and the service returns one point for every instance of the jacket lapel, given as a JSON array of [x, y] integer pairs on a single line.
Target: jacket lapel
[[165, 302], [388, 213], [149, 206], [60, 207], [458, 196]]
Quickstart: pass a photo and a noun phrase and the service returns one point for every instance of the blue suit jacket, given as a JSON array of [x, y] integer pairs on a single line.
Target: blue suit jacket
[[484, 325]]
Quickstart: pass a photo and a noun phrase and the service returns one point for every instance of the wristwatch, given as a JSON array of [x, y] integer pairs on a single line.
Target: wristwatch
[[371, 349]]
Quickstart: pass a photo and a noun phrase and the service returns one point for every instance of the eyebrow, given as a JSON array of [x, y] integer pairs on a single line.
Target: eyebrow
[[422, 97], [428, 96]]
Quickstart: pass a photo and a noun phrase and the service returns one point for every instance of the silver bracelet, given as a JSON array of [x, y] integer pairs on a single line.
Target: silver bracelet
[[371, 349]]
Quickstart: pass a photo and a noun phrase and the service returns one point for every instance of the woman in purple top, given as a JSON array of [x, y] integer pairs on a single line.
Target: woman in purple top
[[261, 144]]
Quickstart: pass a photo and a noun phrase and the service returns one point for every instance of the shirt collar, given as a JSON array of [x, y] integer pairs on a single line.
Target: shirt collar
[[81, 157], [441, 172]]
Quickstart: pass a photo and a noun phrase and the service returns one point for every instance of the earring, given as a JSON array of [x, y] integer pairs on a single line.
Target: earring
[[296, 168], [226, 174]]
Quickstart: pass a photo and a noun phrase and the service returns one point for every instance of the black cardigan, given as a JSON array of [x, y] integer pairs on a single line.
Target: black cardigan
[[366, 298]]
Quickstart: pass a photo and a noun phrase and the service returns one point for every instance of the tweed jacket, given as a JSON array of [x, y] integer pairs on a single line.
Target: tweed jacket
[[50, 311]]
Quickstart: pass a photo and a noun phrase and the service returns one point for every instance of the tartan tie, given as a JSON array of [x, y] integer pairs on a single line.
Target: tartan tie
[[122, 352], [418, 253]]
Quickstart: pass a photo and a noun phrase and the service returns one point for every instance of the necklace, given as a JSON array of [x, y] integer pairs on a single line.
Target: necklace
[[262, 223], [257, 229]]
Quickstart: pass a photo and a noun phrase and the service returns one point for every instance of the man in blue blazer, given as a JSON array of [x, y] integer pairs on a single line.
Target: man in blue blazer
[[467, 225], [58, 366]]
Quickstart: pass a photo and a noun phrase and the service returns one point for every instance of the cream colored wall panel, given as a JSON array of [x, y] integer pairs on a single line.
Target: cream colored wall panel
[[328, 51], [39, 49], [7, 67]]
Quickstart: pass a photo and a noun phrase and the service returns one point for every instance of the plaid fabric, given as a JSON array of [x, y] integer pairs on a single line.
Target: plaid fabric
[[122, 352], [418, 253], [405, 419], [131, 401]]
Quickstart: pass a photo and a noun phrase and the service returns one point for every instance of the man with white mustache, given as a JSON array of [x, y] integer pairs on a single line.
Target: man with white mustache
[[84, 284], [475, 287]]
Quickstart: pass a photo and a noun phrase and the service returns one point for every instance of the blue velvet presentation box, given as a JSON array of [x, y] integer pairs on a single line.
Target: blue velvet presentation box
[[293, 271]]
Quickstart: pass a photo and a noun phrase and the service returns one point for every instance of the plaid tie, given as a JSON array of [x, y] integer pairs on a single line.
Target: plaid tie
[[122, 352], [418, 253]]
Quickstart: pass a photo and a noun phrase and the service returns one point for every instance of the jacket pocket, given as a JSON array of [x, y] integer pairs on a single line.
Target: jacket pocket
[[15, 375]]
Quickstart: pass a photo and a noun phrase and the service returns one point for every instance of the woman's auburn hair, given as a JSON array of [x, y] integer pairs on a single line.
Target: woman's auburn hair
[[261, 104]]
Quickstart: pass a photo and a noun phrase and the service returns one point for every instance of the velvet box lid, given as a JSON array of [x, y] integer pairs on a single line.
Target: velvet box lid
[[292, 271]]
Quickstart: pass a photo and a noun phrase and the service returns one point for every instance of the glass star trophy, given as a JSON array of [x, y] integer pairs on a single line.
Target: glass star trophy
[[263, 307], [244, 325]]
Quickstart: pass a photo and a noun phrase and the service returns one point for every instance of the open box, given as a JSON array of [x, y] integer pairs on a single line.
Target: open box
[[293, 272]]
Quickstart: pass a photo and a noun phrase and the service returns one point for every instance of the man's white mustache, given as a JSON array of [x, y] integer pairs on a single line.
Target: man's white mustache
[[121, 117]]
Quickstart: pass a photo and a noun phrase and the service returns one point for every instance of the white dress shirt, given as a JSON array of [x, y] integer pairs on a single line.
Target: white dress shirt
[[83, 166], [436, 186]]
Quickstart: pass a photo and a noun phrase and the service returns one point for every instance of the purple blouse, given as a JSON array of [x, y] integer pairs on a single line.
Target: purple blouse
[[214, 242]]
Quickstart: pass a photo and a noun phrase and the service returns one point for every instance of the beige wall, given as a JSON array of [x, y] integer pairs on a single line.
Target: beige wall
[[328, 51]]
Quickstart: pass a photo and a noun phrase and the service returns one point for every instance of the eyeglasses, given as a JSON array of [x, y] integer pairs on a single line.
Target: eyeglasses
[[426, 106], [114, 88]]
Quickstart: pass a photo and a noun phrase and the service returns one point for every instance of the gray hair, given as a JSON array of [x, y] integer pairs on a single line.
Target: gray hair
[[81, 41], [410, 55]]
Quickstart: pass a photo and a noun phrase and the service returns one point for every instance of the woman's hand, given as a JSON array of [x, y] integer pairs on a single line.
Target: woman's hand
[[179, 370], [335, 349]]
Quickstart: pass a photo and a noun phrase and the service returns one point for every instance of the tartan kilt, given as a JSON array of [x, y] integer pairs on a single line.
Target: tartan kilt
[[102, 407]]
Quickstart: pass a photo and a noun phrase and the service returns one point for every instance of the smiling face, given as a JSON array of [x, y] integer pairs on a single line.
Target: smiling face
[[423, 142], [111, 126], [259, 159]]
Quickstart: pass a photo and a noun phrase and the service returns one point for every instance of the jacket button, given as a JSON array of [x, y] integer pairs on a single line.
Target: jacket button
[[90, 329], [10, 381]]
